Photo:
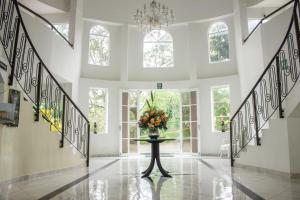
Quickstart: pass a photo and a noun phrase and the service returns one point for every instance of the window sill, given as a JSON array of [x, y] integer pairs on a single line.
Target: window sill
[[99, 133], [93, 65], [220, 132], [219, 62]]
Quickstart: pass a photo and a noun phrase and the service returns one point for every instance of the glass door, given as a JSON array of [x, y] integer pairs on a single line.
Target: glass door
[[180, 107], [189, 122]]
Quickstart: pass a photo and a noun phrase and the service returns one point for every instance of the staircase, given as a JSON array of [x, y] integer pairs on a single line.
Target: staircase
[[38, 83], [269, 92]]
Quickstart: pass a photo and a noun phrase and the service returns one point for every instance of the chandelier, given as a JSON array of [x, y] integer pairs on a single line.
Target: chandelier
[[154, 16]]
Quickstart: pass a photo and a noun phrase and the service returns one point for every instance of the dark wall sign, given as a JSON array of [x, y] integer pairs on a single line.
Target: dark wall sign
[[159, 86]]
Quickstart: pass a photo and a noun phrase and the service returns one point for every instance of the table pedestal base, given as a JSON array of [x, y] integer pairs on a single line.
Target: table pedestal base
[[155, 157]]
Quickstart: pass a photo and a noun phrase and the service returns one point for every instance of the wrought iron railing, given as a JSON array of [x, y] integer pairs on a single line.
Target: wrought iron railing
[[266, 17], [271, 89], [37, 82], [46, 21]]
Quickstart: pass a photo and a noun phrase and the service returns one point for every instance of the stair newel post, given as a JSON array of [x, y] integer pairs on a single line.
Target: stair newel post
[[13, 62], [258, 143], [63, 122], [231, 144], [88, 145], [279, 93], [38, 93]]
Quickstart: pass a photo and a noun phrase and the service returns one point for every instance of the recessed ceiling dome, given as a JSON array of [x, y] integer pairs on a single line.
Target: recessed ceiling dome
[[122, 11]]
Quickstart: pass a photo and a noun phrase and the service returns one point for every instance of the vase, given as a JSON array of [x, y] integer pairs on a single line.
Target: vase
[[153, 134]]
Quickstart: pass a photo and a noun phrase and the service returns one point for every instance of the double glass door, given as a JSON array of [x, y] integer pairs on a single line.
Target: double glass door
[[180, 107]]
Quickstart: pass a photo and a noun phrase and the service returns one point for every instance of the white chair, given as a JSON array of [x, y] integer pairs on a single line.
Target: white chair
[[225, 147]]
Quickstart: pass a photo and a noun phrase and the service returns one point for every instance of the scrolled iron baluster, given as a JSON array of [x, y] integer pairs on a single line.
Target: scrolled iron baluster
[[279, 85], [273, 87], [38, 83], [256, 125], [14, 49]]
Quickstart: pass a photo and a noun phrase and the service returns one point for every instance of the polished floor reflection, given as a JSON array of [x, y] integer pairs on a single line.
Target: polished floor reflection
[[191, 180], [120, 178]]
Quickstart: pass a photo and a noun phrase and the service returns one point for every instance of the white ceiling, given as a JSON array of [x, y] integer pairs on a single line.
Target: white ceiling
[[39, 7], [270, 3], [122, 11]]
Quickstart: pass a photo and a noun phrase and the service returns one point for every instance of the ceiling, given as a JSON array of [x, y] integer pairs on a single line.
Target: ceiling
[[122, 11], [270, 3], [41, 7]]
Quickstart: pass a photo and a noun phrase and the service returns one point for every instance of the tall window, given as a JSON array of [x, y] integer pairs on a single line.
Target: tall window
[[63, 28], [220, 108], [98, 110], [99, 46], [158, 49], [218, 42]]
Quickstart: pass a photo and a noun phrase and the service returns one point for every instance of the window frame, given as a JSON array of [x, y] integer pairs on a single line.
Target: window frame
[[105, 110], [213, 121], [109, 45], [208, 39], [173, 57]]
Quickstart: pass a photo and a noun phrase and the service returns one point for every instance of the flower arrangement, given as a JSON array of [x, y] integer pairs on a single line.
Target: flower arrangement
[[153, 118]]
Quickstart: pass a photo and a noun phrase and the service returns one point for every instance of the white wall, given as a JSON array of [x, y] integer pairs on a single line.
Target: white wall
[[211, 141], [61, 59], [294, 147], [249, 55], [105, 144], [191, 59], [180, 71], [273, 153], [109, 144], [31, 148], [199, 49], [270, 41]]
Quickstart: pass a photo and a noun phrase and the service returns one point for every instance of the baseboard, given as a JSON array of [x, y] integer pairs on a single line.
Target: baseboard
[[295, 175], [104, 155], [211, 154], [39, 175], [270, 171]]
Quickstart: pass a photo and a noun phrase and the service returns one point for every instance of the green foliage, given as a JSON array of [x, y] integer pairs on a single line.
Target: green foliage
[[99, 46], [158, 49], [169, 101], [221, 107], [97, 112], [219, 47]]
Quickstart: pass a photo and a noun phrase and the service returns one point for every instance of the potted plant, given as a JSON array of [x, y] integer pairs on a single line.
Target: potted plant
[[153, 119]]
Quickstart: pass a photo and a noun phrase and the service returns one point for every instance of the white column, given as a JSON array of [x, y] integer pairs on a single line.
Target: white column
[[124, 54], [191, 61]]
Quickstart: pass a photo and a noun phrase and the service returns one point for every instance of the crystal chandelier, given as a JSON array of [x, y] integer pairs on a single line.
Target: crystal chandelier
[[154, 16]]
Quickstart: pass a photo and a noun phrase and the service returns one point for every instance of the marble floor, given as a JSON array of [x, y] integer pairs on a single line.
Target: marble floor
[[119, 178]]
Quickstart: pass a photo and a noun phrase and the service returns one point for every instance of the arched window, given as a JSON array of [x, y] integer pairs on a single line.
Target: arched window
[[218, 42], [158, 49], [99, 46]]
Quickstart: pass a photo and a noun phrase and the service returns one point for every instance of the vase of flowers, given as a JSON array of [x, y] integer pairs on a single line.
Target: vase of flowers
[[153, 119]]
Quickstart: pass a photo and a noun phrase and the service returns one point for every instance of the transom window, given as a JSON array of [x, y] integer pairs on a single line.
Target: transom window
[[220, 108], [218, 42], [98, 110], [158, 50], [99, 46]]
